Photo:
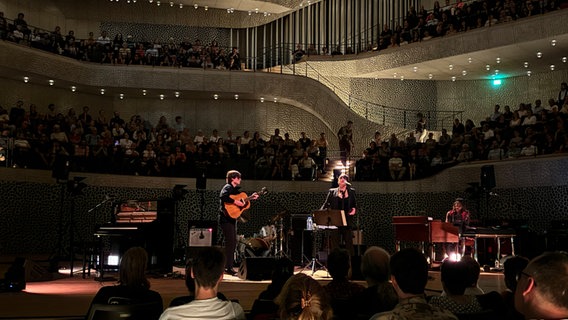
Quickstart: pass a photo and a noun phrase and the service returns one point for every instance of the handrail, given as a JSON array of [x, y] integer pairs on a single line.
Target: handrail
[[381, 114]]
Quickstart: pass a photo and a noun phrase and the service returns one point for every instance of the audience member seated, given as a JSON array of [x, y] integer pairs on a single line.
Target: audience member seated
[[264, 306], [512, 268], [541, 287], [409, 278], [133, 286], [302, 297], [473, 270], [190, 285], [340, 289], [454, 281], [207, 270], [379, 295]]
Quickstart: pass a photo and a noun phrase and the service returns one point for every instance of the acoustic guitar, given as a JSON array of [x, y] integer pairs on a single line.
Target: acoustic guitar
[[235, 211]]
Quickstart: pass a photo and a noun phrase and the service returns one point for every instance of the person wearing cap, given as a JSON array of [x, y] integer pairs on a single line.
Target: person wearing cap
[[343, 198]]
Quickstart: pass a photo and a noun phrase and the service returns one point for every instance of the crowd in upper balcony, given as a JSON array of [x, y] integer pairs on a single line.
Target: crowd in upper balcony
[[97, 143], [527, 131], [417, 25], [442, 20], [122, 50]]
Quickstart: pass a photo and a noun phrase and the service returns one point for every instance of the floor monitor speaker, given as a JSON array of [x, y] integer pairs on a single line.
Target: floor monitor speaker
[[257, 268]]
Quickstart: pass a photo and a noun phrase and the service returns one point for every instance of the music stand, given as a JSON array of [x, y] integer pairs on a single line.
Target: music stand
[[330, 219], [325, 220]]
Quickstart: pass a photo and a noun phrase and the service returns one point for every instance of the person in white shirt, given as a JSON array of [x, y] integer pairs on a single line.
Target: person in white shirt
[[207, 270]]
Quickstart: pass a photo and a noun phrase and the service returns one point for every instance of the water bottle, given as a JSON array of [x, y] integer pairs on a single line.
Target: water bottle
[[309, 223]]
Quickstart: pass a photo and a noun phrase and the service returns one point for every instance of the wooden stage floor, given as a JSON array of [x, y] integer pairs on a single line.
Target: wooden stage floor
[[69, 297]]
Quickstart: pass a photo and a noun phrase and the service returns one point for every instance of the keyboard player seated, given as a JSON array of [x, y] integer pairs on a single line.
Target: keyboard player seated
[[459, 216]]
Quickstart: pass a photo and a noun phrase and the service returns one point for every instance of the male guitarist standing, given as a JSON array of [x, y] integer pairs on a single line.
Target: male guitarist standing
[[228, 222]]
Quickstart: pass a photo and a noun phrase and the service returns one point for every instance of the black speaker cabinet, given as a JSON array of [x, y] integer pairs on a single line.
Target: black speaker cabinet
[[257, 268], [487, 177]]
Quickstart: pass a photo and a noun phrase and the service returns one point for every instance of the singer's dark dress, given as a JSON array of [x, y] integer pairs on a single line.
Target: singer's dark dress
[[334, 201]]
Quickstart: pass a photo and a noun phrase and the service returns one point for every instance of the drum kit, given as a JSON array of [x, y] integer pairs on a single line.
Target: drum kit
[[268, 242]]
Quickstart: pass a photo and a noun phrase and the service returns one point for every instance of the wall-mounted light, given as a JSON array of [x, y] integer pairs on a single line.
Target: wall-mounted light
[[26, 79], [158, 3], [464, 73], [261, 99], [564, 59], [451, 67], [430, 76], [73, 88], [553, 42], [215, 96], [102, 91], [176, 94], [206, 8], [171, 4], [236, 97], [469, 60], [51, 82], [196, 6], [415, 69], [487, 67], [162, 97], [498, 60], [539, 54], [144, 92], [529, 73], [181, 5], [275, 99], [454, 79], [526, 64], [552, 67], [401, 78]]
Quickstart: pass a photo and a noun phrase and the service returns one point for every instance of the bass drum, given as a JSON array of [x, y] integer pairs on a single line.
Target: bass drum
[[257, 247]]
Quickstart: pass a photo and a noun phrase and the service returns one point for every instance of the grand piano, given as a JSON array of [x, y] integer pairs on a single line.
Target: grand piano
[[145, 223]]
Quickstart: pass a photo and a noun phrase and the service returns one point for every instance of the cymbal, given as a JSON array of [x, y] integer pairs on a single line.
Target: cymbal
[[280, 215]]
